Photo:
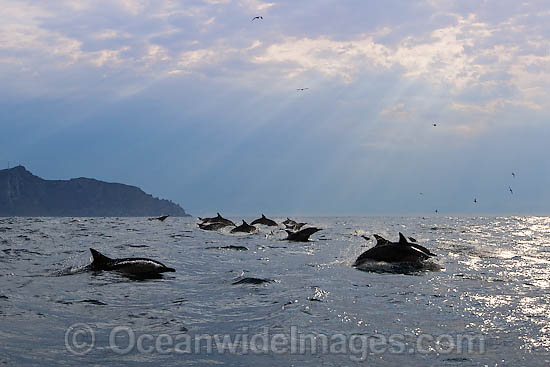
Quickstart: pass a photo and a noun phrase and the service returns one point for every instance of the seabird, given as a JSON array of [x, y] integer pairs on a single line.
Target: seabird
[[258, 17], [509, 188]]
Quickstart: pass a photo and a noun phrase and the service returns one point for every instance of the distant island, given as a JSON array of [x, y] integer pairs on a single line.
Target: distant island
[[24, 194]]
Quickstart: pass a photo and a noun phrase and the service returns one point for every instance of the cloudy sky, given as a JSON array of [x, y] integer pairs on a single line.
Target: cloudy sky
[[193, 101]]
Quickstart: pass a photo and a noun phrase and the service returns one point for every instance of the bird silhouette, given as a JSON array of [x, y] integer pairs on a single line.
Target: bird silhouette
[[509, 188], [300, 89], [258, 17], [475, 200], [513, 175]]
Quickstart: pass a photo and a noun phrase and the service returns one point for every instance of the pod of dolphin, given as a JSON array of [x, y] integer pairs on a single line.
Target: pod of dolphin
[[404, 251]]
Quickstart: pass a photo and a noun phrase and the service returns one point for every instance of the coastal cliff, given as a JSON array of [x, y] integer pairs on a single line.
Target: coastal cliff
[[24, 194]]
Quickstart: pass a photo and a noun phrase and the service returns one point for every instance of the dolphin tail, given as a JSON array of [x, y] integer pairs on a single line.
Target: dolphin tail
[[98, 257]]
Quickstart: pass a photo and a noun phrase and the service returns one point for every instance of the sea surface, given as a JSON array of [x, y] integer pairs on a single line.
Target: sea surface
[[484, 300]]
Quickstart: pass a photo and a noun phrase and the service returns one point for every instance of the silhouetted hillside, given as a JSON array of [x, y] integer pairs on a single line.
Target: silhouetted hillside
[[23, 194]]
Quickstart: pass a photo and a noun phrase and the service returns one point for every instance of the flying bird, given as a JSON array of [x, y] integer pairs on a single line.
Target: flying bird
[[509, 188], [475, 200], [258, 17], [436, 211], [513, 175], [435, 124], [300, 89]]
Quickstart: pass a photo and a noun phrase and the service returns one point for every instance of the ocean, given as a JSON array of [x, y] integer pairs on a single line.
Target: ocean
[[482, 301]]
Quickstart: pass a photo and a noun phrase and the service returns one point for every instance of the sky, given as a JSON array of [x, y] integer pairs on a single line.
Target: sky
[[195, 102]]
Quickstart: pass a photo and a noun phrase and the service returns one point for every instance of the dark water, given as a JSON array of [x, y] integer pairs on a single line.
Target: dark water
[[483, 301]]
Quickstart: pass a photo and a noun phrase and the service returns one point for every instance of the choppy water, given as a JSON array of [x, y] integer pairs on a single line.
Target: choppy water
[[493, 287]]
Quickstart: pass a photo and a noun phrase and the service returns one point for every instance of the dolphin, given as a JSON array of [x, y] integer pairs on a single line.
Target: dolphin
[[161, 218], [244, 228], [380, 241], [130, 265], [289, 222], [302, 235], [265, 221], [403, 240], [255, 281], [295, 226], [394, 252], [216, 219], [212, 226]]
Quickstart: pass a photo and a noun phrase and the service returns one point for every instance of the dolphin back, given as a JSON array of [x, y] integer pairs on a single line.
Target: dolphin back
[[129, 265]]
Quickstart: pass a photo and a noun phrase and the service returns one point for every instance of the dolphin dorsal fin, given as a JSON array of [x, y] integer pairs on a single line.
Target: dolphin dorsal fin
[[263, 216], [379, 239], [244, 223], [219, 216], [99, 258], [402, 239]]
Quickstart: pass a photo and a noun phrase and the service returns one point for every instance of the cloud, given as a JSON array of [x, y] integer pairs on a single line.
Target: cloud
[[342, 59], [256, 5], [482, 62], [397, 112], [110, 34]]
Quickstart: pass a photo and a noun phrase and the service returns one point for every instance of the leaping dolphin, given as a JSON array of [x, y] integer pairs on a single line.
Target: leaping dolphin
[[380, 241], [130, 265], [301, 236], [244, 228], [212, 226], [295, 226], [216, 219], [265, 221], [161, 218], [392, 252], [403, 241], [289, 221]]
